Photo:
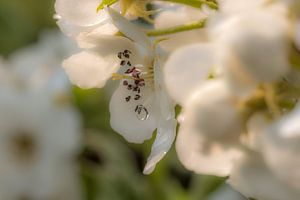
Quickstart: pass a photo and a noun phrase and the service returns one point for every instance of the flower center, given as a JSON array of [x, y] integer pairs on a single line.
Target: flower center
[[23, 145], [135, 79]]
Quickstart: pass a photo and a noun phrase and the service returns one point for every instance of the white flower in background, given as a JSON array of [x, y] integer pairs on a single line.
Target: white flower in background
[[39, 133], [253, 178], [140, 104], [256, 126], [39, 141], [282, 148], [208, 137], [225, 192], [250, 45], [38, 67], [174, 15]]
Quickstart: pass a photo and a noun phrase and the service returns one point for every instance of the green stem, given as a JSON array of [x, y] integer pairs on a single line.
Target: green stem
[[195, 3], [176, 29]]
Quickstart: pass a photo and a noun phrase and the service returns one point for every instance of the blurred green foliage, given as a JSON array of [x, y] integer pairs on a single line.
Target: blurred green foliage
[[111, 168], [21, 21]]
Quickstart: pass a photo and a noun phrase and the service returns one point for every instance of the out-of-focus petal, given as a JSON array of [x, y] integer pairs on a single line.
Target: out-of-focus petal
[[80, 12], [186, 69], [208, 137], [252, 178], [282, 148]]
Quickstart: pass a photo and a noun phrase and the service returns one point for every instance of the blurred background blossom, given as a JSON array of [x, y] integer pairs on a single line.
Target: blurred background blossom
[[55, 139]]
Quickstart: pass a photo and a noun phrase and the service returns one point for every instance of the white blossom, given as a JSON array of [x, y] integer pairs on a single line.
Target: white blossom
[[208, 137], [139, 105]]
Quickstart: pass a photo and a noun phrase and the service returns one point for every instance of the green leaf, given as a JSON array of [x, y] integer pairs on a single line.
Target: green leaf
[[106, 3]]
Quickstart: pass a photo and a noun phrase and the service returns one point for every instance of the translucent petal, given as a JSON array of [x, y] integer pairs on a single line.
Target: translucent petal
[[252, 178], [129, 29], [126, 121], [94, 67], [166, 130], [202, 157], [254, 48], [282, 148], [80, 12], [208, 137], [89, 69], [186, 69]]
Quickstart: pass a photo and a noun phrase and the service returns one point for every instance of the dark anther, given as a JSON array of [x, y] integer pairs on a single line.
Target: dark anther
[[136, 73], [123, 62], [129, 63], [137, 97], [129, 87], [128, 98], [120, 55], [128, 71], [137, 82], [125, 83], [127, 51], [126, 55], [142, 83]]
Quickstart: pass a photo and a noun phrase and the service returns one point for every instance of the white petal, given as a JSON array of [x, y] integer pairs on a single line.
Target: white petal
[[226, 193], [124, 120], [129, 29], [255, 48], [252, 178], [213, 113], [186, 69], [166, 130], [209, 133], [89, 69], [202, 157], [256, 127], [94, 67], [166, 133], [282, 148], [80, 12]]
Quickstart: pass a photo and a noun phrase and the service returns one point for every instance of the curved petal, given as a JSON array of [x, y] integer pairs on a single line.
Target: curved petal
[[202, 157], [92, 68], [80, 12], [209, 133], [129, 29], [166, 130], [88, 69], [282, 148], [186, 69], [124, 117], [252, 178]]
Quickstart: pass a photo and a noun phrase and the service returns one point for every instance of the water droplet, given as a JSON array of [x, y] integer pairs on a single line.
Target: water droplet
[[141, 112]]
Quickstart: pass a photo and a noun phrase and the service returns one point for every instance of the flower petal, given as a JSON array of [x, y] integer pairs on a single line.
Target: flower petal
[[252, 178], [186, 69], [125, 120], [208, 137], [88, 69], [80, 12], [196, 154], [92, 68], [129, 29], [166, 130]]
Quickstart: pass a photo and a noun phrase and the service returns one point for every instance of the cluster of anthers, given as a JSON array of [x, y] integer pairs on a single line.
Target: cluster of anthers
[[134, 79]]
